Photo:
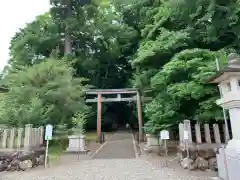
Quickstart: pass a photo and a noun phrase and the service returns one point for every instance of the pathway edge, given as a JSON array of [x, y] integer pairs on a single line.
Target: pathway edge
[[97, 151], [135, 147]]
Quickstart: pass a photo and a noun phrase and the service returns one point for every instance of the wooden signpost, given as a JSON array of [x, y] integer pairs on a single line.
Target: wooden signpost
[[48, 137], [164, 134]]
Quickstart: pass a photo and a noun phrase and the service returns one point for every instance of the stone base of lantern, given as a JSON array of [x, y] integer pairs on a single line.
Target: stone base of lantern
[[76, 144], [233, 144]]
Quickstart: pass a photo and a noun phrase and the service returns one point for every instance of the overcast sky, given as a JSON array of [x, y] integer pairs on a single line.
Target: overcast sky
[[14, 14]]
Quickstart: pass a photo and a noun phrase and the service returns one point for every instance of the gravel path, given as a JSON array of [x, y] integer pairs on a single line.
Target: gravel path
[[120, 146], [115, 161], [102, 169]]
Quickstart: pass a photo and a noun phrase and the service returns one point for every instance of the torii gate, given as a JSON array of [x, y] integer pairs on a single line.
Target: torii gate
[[119, 92]]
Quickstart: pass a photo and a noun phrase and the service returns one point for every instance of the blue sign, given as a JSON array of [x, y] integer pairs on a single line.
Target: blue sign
[[48, 132]]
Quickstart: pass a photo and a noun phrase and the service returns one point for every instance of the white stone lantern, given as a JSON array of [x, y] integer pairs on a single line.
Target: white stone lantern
[[229, 81]]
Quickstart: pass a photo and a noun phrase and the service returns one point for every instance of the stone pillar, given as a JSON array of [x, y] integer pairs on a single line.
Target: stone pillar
[[41, 129], [181, 129], [27, 138], [235, 124], [4, 138], [31, 137], [187, 127], [198, 133], [216, 134], [225, 133], [207, 133], [12, 138], [19, 138], [37, 137]]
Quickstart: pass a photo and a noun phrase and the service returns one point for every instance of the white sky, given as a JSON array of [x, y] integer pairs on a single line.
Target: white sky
[[14, 14]]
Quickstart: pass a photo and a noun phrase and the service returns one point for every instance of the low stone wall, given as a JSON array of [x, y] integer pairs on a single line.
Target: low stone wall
[[201, 157], [21, 160], [203, 142], [21, 148]]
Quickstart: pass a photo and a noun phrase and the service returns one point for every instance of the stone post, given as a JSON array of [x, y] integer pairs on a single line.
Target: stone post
[[12, 138], [181, 129], [31, 137], [41, 135], [27, 138], [198, 133], [207, 133], [19, 138], [4, 138], [35, 137], [187, 127], [216, 134], [225, 133], [1, 135]]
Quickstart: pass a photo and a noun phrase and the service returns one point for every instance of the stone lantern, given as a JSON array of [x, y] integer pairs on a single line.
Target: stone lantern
[[229, 83], [228, 80]]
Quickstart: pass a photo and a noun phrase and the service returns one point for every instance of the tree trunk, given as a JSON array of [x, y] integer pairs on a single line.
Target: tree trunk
[[68, 39]]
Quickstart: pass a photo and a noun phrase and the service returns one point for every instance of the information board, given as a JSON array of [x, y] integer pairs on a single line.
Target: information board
[[48, 132], [185, 135], [164, 134]]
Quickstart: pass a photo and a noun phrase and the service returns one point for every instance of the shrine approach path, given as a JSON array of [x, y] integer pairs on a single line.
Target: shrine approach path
[[115, 160]]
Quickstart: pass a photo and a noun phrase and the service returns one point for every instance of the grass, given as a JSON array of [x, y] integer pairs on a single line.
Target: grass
[[56, 149]]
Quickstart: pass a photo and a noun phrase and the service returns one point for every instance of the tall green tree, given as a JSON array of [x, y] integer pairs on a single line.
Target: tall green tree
[[179, 43], [101, 44], [43, 93]]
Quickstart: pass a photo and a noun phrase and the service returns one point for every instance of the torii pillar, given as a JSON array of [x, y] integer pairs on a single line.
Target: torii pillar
[[99, 117], [140, 121]]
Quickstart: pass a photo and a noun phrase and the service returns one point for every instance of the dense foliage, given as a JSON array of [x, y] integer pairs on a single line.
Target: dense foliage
[[43, 93], [180, 41], [167, 45]]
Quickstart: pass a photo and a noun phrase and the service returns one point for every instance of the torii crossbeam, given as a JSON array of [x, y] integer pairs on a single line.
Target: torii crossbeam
[[102, 97]]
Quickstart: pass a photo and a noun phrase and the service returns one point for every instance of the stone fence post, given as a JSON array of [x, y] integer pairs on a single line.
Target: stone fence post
[[216, 134], [207, 133], [19, 138], [187, 127], [181, 130], [12, 138], [27, 138], [41, 129], [198, 133], [4, 138]]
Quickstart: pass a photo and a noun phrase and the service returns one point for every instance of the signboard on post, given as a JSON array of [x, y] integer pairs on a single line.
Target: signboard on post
[[164, 134], [48, 136], [48, 132]]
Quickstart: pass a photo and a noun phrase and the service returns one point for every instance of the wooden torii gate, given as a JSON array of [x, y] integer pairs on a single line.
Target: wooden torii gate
[[102, 97]]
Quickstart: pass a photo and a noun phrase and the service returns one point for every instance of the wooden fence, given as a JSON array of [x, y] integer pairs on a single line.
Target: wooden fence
[[18, 138], [205, 133]]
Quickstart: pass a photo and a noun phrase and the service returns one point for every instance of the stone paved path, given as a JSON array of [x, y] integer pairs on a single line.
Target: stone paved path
[[120, 146]]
